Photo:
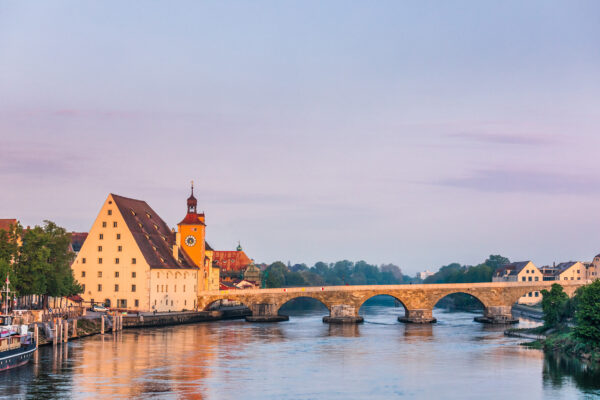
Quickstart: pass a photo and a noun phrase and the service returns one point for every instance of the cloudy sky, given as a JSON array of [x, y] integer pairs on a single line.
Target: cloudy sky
[[415, 133]]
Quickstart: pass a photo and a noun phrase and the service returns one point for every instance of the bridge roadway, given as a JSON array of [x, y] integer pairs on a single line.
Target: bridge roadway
[[344, 302]]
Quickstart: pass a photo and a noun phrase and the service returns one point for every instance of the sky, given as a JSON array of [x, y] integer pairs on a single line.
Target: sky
[[413, 133]]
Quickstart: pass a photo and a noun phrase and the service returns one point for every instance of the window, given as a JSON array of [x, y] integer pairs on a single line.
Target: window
[[133, 288], [148, 215], [578, 278], [104, 224], [157, 290], [154, 302], [99, 288], [524, 278], [166, 288], [530, 294], [99, 248], [101, 236], [577, 271], [133, 274], [118, 236], [537, 294], [171, 302], [83, 260], [115, 224], [99, 274], [566, 278], [109, 212], [100, 260], [83, 274], [184, 288], [185, 302], [117, 261], [537, 278], [529, 279], [116, 288], [83, 287], [175, 289], [133, 260], [137, 303], [116, 274], [119, 248]]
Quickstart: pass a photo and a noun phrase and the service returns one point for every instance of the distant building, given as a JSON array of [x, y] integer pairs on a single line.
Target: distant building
[[423, 275], [77, 239], [521, 271], [570, 271], [6, 224], [232, 261], [252, 274]]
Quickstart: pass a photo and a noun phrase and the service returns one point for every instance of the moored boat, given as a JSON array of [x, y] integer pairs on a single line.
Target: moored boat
[[16, 345]]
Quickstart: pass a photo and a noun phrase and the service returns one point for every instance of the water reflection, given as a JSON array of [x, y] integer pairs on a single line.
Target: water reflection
[[560, 370], [302, 358]]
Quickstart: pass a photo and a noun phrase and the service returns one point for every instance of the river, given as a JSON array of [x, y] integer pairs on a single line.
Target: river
[[304, 359]]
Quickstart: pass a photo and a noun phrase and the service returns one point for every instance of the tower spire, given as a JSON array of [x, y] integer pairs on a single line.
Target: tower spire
[[192, 203]]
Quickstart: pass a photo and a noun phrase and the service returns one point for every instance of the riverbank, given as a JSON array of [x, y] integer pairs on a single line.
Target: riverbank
[[558, 340], [93, 325]]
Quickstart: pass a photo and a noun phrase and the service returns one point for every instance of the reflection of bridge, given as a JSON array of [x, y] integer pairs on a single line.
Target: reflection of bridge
[[344, 302]]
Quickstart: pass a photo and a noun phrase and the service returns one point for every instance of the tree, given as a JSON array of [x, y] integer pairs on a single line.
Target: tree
[[587, 312], [275, 275], [494, 261], [554, 304]]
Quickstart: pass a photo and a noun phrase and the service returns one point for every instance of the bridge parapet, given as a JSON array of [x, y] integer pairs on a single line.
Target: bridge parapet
[[344, 302]]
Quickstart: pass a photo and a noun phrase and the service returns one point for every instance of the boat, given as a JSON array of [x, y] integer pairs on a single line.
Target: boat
[[17, 345]]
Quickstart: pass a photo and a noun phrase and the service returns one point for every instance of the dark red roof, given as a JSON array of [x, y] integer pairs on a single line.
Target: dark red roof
[[5, 224], [152, 235], [192, 219], [231, 260]]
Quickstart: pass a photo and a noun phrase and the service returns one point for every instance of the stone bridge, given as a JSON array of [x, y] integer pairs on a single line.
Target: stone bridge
[[344, 302]]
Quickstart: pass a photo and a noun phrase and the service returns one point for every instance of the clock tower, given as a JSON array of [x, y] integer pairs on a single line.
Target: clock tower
[[192, 232]]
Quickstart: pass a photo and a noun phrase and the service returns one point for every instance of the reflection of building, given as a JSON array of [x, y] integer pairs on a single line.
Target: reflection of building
[[132, 260], [522, 271]]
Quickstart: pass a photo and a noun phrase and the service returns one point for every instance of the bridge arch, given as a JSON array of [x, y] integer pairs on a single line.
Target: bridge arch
[[373, 295], [485, 302], [303, 296]]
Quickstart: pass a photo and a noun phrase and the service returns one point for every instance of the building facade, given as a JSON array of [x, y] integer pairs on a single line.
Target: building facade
[[132, 260], [522, 271]]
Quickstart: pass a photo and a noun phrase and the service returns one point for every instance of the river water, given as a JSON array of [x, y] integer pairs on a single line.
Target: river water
[[304, 359]]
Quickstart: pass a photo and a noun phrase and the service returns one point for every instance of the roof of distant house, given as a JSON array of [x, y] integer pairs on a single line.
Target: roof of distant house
[[512, 268], [77, 239], [152, 235], [231, 260], [6, 223], [562, 267]]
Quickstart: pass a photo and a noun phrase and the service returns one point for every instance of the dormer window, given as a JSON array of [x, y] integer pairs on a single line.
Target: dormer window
[[148, 215], [155, 226], [132, 212]]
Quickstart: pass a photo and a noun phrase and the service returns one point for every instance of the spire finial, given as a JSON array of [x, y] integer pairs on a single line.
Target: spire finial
[[192, 187]]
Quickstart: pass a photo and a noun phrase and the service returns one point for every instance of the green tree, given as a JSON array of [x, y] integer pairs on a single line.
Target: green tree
[[494, 261], [587, 312], [554, 305], [276, 275]]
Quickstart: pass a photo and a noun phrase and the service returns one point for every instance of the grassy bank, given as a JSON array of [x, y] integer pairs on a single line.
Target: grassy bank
[[559, 340]]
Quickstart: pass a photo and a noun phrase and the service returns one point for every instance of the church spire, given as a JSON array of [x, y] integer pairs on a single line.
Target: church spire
[[192, 203]]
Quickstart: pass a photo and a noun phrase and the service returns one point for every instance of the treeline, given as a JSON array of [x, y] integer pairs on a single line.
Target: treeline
[[37, 261], [456, 273], [572, 324], [334, 274]]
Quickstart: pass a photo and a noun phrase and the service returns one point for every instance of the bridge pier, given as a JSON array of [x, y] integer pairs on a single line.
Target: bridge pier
[[265, 313], [418, 316], [343, 314], [497, 315]]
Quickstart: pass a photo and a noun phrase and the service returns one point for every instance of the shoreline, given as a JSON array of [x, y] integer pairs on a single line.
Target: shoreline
[[87, 327]]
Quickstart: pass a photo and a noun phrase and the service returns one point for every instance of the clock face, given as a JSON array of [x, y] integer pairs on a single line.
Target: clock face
[[190, 240]]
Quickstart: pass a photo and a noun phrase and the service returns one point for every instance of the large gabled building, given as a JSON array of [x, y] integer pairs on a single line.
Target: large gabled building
[[521, 271], [132, 260]]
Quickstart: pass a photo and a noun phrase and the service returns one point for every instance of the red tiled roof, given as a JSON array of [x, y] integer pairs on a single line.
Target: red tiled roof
[[192, 219], [152, 235], [5, 224], [231, 260]]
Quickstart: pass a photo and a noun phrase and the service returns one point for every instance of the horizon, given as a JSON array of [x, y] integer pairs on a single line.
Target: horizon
[[407, 134]]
